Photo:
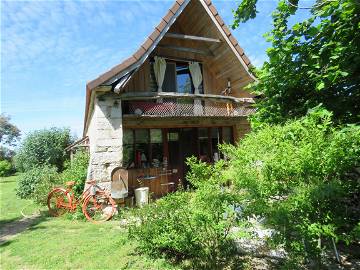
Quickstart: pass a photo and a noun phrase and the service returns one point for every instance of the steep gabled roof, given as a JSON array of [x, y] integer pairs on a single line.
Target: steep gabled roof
[[122, 72], [151, 42]]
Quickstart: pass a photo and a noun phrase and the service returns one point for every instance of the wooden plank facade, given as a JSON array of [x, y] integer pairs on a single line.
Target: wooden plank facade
[[133, 123]]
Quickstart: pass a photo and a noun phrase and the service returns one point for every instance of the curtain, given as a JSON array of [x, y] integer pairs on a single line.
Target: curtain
[[196, 76], [159, 70]]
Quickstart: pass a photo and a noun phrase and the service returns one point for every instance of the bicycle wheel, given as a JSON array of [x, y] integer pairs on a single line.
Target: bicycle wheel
[[99, 207], [59, 202], [30, 210]]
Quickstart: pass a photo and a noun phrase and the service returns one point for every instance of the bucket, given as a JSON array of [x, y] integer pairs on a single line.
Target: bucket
[[142, 196]]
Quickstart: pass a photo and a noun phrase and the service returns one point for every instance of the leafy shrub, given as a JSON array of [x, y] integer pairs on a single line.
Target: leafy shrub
[[292, 174], [36, 183], [6, 168], [76, 171], [190, 224], [295, 174], [43, 147]]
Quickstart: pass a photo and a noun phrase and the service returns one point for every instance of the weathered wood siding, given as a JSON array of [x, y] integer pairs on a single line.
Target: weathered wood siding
[[218, 68]]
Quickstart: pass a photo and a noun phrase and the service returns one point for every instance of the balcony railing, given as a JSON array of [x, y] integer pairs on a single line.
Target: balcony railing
[[185, 106]]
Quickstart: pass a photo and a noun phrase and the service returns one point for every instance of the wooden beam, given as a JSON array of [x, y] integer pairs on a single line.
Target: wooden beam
[[241, 84], [187, 49], [227, 40], [222, 52], [143, 58], [103, 88], [177, 59], [156, 95], [189, 37], [225, 71], [134, 121]]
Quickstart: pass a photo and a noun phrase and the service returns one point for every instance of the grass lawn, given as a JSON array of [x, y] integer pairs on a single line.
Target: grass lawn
[[10, 205], [60, 243]]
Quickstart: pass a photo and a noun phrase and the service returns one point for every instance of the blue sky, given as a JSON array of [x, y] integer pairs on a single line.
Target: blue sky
[[50, 49]]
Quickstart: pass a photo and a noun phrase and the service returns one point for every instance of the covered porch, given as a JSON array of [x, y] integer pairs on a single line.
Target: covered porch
[[154, 155]]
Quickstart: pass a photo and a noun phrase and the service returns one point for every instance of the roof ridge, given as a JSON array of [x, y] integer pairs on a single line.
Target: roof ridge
[[144, 47], [137, 58], [227, 31], [149, 41]]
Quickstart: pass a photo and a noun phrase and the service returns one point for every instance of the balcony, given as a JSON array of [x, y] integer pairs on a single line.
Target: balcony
[[145, 104]]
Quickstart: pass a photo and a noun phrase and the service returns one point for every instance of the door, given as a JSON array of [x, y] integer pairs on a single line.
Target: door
[[188, 147], [182, 144]]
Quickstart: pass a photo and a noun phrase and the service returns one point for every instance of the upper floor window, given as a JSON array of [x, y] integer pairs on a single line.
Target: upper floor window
[[178, 78]]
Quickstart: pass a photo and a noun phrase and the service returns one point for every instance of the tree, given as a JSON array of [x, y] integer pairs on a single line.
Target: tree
[[43, 147], [9, 134], [316, 61]]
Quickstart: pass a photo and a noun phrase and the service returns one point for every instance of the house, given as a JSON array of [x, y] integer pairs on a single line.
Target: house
[[181, 94]]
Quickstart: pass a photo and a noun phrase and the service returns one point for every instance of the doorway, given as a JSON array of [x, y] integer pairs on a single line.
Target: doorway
[[188, 147], [182, 143]]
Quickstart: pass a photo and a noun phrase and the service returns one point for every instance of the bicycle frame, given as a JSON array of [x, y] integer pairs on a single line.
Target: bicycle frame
[[97, 204], [74, 202]]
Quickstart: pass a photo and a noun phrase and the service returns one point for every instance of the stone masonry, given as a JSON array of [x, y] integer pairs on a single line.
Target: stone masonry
[[105, 134]]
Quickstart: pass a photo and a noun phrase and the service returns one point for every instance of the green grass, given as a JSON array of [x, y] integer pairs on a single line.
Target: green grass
[[10, 205], [60, 243]]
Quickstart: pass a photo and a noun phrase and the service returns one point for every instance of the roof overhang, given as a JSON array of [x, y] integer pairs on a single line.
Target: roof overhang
[[118, 76]]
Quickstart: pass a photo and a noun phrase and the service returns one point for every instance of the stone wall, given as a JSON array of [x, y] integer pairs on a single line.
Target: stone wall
[[105, 134]]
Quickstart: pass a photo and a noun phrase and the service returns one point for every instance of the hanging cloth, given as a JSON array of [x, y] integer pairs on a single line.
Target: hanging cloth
[[159, 70], [196, 75]]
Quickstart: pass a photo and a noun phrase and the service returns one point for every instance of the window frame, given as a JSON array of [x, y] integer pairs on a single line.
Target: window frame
[[186, 62]]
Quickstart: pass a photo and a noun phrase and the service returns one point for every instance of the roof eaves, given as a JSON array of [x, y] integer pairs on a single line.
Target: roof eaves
[[207, 4], [134, 61], [169, 18]]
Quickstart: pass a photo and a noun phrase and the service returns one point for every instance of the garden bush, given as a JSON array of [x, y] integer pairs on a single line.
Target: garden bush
[[43, 147], [76, 171], [36, 183], [6, 168], [292, 174], [299, 176], [192, 224]]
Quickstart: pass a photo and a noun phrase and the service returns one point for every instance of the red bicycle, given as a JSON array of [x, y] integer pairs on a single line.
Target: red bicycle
[[97, 204]]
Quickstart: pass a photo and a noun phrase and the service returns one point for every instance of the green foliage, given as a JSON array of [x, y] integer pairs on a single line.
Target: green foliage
[[5, 168], [77, 171], [6, 153], [43, 147], [295, 174], [245, 11], [9, 133], [190, 224], [72, 244], [316, 61], [76, 215], [36, 183]]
